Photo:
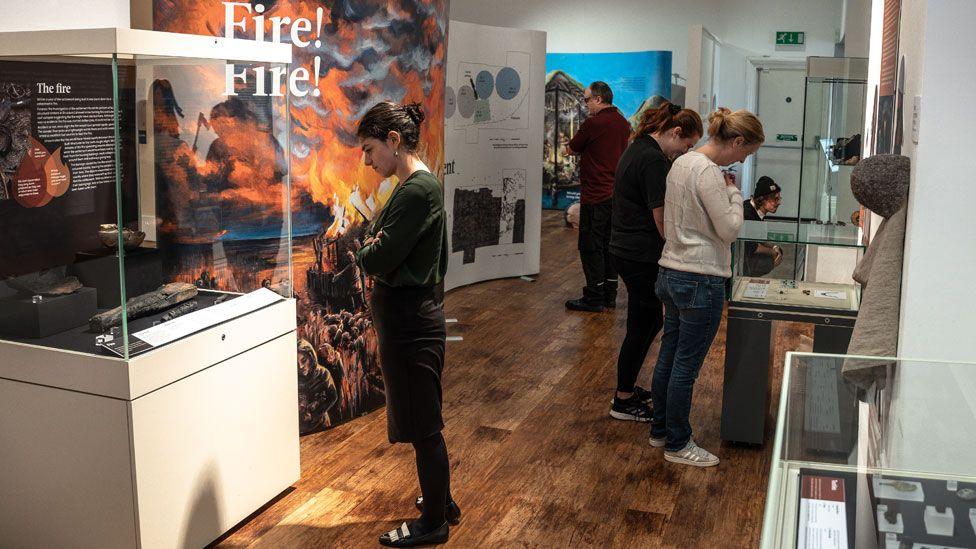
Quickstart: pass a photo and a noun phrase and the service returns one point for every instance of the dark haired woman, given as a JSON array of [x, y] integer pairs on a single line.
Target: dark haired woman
[[405, 253], [636, 240]]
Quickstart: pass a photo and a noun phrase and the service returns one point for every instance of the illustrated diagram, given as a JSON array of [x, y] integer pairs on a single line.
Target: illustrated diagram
[[489, 96], [490, 214]]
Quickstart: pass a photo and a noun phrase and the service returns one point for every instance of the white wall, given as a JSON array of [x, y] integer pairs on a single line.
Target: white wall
[[933, 404], [63, 14], [633, 25]]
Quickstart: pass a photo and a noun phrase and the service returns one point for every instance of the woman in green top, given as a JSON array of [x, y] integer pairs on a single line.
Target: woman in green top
[[405, 253]]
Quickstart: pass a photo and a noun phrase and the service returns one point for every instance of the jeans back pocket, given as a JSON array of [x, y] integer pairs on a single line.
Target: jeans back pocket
[[683, 292]]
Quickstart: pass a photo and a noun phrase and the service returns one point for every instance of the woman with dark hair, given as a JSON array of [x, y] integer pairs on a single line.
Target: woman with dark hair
[[637, 238], [405, 253]]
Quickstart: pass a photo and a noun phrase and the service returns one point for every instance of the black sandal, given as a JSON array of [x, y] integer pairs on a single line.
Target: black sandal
[[452, 513], [403, 537]]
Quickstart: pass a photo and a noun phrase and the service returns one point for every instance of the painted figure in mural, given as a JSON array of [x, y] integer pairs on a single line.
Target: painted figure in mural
[[316, 389], [405, 253], [637, 239], [761, 258], [702, 218]]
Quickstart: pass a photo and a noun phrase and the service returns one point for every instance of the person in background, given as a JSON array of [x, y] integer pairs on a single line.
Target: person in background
[[702, 217], [637, 239], [405, 253], [761, 258], [599, 142]]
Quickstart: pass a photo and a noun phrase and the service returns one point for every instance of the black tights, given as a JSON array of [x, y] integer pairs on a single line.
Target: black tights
[[645, 318], [434, 472]]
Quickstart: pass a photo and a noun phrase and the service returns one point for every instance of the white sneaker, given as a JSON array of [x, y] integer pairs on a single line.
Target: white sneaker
[[693, 455], [658, 442]]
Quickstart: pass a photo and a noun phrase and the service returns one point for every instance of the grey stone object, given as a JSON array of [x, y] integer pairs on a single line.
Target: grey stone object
[[179, 310], [880, 183], [48, 282], [146, 304]]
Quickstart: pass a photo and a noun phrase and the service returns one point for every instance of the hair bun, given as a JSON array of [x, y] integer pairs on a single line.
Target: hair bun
[[719, 115], [416, 112]]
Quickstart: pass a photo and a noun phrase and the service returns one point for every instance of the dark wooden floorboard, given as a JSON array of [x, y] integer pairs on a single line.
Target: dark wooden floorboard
[[536, 460]]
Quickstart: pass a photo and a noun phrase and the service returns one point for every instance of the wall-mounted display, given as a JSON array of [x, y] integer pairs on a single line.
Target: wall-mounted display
[[493, 180], [138, 336], [845, 473], [639, 80], [347, 56]]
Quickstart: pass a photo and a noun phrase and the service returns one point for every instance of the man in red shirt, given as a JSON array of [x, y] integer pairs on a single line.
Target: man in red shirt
[[599, 142]]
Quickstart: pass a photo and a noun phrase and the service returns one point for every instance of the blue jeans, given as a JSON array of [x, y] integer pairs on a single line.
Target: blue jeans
[[693, 306]]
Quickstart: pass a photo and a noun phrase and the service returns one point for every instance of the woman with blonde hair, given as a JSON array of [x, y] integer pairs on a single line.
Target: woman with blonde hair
[[702, 217]]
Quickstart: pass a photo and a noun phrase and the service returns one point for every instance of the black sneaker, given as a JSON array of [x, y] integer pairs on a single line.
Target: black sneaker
[[583, 305], [642, 394], [452, 513], [631, 409]]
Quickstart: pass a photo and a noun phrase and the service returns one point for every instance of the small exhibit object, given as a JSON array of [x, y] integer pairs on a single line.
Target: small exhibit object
[[966, 494], [889, 521], [938, 523], [952, 485], [828, 294], [823, 514], [972, 519], [887, 488], [37, 299]]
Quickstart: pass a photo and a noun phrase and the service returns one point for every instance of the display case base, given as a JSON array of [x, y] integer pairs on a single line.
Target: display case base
[[168, 449], [22, 318]]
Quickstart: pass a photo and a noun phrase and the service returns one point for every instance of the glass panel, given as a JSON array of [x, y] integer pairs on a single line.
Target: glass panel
[[833, 121], [893, 437], [58, 198], [157, 157]]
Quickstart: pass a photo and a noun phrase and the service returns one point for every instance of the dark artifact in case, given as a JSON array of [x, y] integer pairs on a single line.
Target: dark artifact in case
[[109, 235], [153, 302], [179, 310]]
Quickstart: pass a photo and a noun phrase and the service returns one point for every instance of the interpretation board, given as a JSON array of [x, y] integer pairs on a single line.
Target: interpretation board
[[493, 112]]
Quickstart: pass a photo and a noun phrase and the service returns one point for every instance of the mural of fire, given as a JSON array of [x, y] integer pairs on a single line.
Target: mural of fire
[[358, 52]]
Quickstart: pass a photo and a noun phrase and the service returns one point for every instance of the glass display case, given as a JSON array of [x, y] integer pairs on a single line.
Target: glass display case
[[873, 453], [143, 177], [833, 119], [796, 265]]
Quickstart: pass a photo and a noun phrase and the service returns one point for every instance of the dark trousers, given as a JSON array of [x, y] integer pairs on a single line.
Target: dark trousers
[[645, 317], [594, 249], [693, 306]]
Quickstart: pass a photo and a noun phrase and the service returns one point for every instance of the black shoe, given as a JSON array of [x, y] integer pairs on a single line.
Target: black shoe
[[403, 537], [642, 394], [452, 512], [631, 409], [583, 305]]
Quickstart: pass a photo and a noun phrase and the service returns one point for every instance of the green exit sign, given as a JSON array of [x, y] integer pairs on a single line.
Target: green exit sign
[[786, 137], [788, 38]]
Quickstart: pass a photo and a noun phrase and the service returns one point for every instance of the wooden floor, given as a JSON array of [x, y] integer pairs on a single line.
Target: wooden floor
[[536, 460]]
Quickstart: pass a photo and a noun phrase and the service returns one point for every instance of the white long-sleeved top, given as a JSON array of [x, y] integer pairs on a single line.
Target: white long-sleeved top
[[702, 217]]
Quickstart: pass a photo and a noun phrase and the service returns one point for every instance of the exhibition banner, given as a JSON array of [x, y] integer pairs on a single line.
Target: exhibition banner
[[57, 161], [347, 57], [639, 80], [493, 143]]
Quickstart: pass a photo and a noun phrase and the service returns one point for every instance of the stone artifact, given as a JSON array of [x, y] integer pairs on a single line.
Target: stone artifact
[[49, 282], [179, 310], [146, 304], [109, 235]]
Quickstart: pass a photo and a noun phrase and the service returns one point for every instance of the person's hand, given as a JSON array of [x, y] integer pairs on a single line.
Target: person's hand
[[373, 239], [729, 179]]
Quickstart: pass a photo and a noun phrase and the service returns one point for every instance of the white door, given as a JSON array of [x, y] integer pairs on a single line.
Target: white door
[[780, 107]]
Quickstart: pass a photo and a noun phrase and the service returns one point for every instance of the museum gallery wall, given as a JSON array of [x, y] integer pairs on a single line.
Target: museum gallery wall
[[347, 56], [493, 144], [639, 80]]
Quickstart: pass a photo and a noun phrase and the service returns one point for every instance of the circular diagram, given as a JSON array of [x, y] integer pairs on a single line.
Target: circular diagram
[[465, 101], [450, 102], [508, 83], [484, 84]]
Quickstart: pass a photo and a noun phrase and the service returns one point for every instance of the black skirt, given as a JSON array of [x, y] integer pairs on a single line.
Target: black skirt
[[410, 328]]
